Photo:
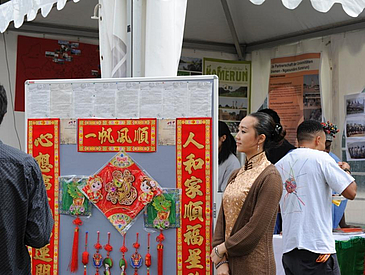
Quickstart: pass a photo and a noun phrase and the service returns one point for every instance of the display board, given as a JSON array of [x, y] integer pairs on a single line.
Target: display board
[[127, 99]]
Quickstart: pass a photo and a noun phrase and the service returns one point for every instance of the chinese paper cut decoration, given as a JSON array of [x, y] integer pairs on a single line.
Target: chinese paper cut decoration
[[164, 211], [194, 170], [43, 145], [136, 258], [108, 262], [120, 190], [147, 260], [97, 258], [160, 238], [113, 135], [123, 262], [72, 200], [85, 255]]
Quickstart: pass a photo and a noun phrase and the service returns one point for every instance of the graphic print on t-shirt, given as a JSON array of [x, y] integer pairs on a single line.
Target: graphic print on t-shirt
[[293, 201]]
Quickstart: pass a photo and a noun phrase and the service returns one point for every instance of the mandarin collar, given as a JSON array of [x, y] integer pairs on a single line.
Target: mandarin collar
[[255, 160]]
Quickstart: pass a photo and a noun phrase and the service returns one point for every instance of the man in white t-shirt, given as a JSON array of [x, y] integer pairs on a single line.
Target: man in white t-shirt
[[309, 174]]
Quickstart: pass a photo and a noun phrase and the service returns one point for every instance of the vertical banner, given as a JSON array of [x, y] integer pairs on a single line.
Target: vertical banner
[[234, 89], [194, 177], [43, 145], [294, 91]]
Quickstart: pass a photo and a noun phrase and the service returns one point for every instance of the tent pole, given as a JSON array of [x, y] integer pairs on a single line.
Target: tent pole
[[232, 29]]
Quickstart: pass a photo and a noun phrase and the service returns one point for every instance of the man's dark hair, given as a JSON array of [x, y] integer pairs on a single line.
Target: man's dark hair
[[272, 113], [3, 103], [308, 129]]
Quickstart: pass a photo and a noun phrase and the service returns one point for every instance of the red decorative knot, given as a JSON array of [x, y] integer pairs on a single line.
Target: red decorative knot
[[77, 221], [136, 245], [108, 247], [160, 238], [123, 249], [98, 246]]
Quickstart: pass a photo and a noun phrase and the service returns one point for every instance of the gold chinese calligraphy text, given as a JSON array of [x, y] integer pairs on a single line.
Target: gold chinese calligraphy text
[[193, 211], [43, 254], [43, 269], [47, 181], [43, 162], [191, 140], [105, 135], [193, 163], [141, 135], [123, 136], [193, 187], [43, 140], [194, 259], [192, 235]]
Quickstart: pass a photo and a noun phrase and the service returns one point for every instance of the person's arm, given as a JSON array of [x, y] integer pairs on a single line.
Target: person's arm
[[246, 239], [39, 220], [350, 191]]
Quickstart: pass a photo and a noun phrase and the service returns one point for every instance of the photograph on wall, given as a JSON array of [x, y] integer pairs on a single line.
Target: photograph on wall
[[234, 89], [294, 91], [189, 66], [355, 127], [354, 105]]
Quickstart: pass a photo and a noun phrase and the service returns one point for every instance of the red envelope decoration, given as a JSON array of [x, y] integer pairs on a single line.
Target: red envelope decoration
[[121, 190]]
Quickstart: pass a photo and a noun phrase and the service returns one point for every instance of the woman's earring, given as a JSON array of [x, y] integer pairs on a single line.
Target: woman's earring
[[258, 148]]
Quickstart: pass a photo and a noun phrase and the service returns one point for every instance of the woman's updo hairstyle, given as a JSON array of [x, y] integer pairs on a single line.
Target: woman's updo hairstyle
[[266, 125]]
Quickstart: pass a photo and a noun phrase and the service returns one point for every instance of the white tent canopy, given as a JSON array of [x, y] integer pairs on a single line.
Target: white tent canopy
[[207, 25], [16, 10]]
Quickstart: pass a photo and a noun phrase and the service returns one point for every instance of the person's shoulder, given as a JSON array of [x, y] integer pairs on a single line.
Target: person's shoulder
[[9, 153], [234, 159]]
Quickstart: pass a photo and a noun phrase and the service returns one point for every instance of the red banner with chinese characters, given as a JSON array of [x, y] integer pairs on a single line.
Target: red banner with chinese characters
[[43, 145], [114, 135], [194, 171]]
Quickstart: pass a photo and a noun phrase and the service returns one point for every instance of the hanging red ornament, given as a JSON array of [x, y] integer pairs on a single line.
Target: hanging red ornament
[[136, 258], [160, 238], [123, 263], [74, 263], [147, 260], [108, 262], [85, 254], [97, 258]]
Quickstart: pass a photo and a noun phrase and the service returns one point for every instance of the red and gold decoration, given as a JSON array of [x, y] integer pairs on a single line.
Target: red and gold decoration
[[43, 145], [108, 262], [123, 262], [160, 238], [194, 169], [147, 260], [121, 190], [114, 135], [136, 258], [97, 258], [85, 255]]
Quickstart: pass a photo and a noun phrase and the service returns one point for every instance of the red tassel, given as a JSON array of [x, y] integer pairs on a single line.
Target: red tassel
[[160, 238], [85, 255], [74, 264]]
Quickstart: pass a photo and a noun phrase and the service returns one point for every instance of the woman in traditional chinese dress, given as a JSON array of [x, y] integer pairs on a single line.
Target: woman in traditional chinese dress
[[242, 241]]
